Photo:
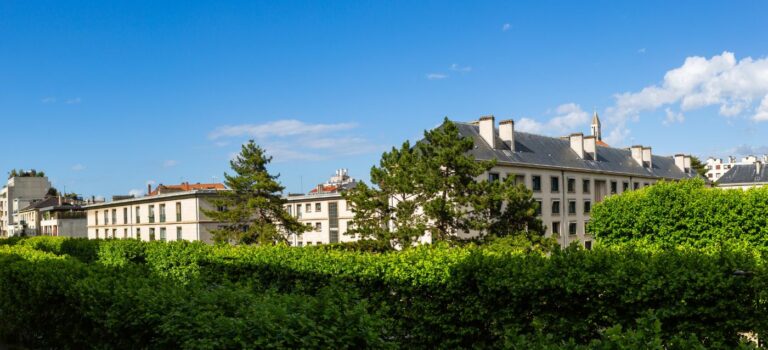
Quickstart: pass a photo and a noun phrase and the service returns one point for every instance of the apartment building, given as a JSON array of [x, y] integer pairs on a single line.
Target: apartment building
[[569, 175], [717, 167], [53, 216], [324, 210], [744, 176], [20, 191], [168, 213]]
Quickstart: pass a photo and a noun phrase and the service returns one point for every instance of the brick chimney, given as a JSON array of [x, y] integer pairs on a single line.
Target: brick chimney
[[577, 144], [487, 131], [507, 133], [590, 146]]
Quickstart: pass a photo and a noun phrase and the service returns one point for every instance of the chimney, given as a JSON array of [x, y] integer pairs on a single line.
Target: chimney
[[680, 162], [647, 157], [637, 154], [758, 168], [149, 189], [59, 200], [507, 133], [687, 162], [486, 130], [577, 144], [590, 146]]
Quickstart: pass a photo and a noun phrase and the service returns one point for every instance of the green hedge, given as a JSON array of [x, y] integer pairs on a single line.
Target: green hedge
[[683, 213], [168, 294]]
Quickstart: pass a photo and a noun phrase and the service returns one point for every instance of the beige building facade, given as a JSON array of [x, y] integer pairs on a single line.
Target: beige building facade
[[18, 193], [165, 217]]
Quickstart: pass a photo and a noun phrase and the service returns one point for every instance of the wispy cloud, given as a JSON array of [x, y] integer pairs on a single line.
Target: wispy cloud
[[641, 50], [78, 167], [568, 118], [293, 140], [136, 192], [673, 117], [73, 101], [48, 100], [436, 76], [462, 69], [506, 27], [170, 163]]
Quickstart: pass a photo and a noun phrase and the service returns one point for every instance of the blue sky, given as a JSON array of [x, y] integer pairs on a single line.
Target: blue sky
[[107, 96]]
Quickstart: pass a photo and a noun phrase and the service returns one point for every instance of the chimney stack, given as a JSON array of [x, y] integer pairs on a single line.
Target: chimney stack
[[637, 154], [647, 157], [680, 162], [507, 133], [687, 162], [149, 189], [487, 131], [590, 146], [758, 168], [577, 144]]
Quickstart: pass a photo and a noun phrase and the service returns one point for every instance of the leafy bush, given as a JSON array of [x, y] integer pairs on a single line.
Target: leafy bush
[[683, 213]]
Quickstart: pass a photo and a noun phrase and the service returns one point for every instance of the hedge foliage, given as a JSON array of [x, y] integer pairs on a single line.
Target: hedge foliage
[[129, 294], [683, 213]]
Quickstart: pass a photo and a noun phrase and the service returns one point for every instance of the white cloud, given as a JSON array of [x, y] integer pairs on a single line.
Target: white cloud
[[673, 117], [47, 100], [569, 118], [436, 76], [733, 86], [285, 127], [641, 50], [170, 163], [78, 167], [73, 101], [458, 68], [506, 27]]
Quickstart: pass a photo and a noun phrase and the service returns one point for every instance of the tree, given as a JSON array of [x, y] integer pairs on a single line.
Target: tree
[[252, 210], [52, 192], [700, 167]]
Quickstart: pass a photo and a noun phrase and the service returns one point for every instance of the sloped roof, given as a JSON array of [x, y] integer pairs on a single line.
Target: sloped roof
[[537, 150], [48, 202], [744, 173]]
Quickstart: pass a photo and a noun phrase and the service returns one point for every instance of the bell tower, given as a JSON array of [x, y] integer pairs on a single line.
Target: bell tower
[[596, 127]]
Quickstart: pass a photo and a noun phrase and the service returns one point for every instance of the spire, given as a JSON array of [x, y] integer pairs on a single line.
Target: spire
[[596, 132]]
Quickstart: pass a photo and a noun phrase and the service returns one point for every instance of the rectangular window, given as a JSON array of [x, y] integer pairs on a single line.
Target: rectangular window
[[106, 217], [587, 207], [636, 185], [646, 184], [555, 207], [114, 233], [571, 207], [162, 212], [138, 233], [96, 217], [151, 214], [178, 212], [520, 180], [308, 208], [318, 243], [588, 245], [624, 186], [571, 185], [152, 234], [162, 234], [586, 186], [536, 183], [538, 208], [138, 215], [125, 216], [178, 233], [318, 207], [97, 233], [586, 223], [301, 244], [298, 211], [555, 228], [493, 177], [614, 187], [554, 182], [114, 216], [318, 226], [572, 228], [125, 233]]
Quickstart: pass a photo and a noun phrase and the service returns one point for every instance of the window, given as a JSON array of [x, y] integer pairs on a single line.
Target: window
[[138, 233], [152, 234], [114, 233], [178, 233], [586, 186], [178, 211], [587, 207], [125, 216], [588, 245], [624, 186], [162, 234], [555, 207], [717, 167], [318, 207], [614, 187], [538, 207], [221, 208], [555, 228], [162, 212], [298, 211], [97, 233], [493, 177], [309, 243], [554, 184], [646, 184], [636, 185], [125, 233], [308, 208], [571, 207], [520, 180], [114, 216], [572, 228], [151, 214], [138, 215], [318, 226], [106, 217], [96, 217], [571, 185], [301, 244], [585, 226], [536, 183]]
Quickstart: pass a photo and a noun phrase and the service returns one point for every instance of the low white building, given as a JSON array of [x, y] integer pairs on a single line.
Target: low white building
[[744, 176], [164, 215], [53, 216], [717, 167]]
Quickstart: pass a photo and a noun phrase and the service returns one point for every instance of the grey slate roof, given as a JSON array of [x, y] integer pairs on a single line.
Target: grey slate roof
[[745, 173], [537, 150]]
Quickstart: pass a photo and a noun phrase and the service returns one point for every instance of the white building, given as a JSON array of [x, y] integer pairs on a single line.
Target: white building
[[745, 176], [717, 167], [18, 193], [569, 175], [53, 216], [169, 213], [323, 209]]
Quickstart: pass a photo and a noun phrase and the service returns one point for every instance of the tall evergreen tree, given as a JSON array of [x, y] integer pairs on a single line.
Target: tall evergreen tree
[[252, 210]]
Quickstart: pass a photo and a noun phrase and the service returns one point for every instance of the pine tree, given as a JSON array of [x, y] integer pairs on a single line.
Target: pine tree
[[253, 210]]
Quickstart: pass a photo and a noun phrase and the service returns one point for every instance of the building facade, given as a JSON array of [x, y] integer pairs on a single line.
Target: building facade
[[717, 167], [19, 192], [569, 175], [53, 216], [170, 216], [744, 176]]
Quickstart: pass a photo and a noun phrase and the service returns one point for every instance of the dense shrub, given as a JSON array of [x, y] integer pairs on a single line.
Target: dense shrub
[[185, 294], [683, 213]]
